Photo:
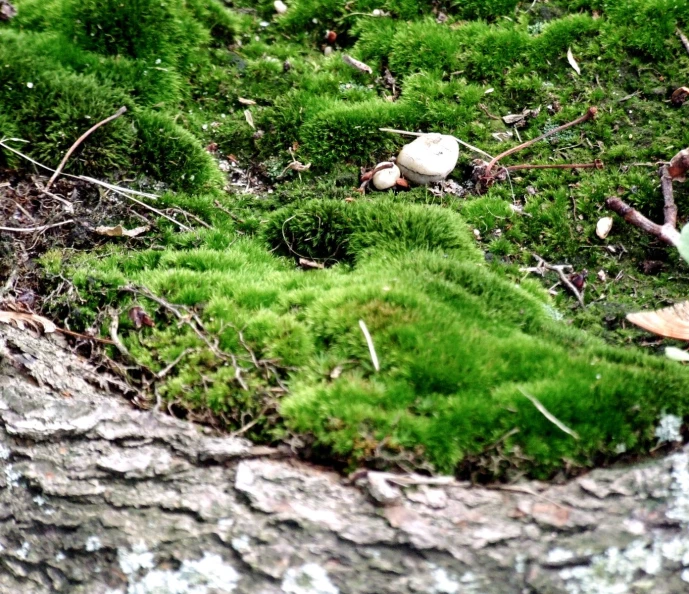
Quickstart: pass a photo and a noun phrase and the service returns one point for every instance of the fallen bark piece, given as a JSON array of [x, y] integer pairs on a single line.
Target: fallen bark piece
[[7, 11], [679, 166], [670, 322], [429, 158]]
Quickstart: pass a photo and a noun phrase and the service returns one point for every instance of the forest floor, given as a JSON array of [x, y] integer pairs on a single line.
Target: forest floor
[[229, 268]]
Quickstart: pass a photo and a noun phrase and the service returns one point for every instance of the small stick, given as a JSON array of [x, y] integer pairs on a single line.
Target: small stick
[[114, 326], [163, 372], [597, 164], [84, 336], [590, 114], [155, 210], [669, 208], [544, 411], [683, 39], [666, 233], [35, 229], [347, 59], [371, 348], [81, 139], [464, 144]]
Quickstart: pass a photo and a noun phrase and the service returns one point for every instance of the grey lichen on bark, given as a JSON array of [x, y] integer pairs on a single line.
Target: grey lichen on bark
[[97, 497]]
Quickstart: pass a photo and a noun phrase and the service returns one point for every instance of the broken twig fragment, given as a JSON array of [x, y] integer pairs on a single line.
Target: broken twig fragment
[[122, 110], [347, 59], [544, 411]]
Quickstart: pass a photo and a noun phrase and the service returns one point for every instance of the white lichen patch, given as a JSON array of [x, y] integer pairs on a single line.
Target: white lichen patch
[[443, 583], [668, 429], [23, 552], [4, 452], [559, 555], [615, 571], [310, 578], [679, 506], [93, 544], [138, 558], [207, 575], [12, 476], [241, 544]]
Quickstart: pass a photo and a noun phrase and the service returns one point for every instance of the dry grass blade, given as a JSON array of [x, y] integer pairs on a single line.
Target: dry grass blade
[[35, 229], [371, 348], [572, 61], [670, 322], [544, 411]]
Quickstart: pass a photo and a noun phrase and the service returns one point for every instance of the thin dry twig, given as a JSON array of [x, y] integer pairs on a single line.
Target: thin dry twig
[[560, 270], [597, 164], [168, 368], [36, 229], [122, 110], [459, 140], [371, 347], [590, 114], [354, 63], [544, 411], [114, 326]]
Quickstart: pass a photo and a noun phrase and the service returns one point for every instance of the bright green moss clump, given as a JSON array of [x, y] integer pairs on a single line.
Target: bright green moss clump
[[463, 337]]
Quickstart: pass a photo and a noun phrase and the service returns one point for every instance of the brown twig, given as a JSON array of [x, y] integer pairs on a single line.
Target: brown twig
[[590, 114], [84, 336], [228, 212], [666, 232], [683, 39], [597, 164], [560, 270], [81, 139]]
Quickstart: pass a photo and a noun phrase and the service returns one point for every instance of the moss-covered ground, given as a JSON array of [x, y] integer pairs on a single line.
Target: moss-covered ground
[[466, 341]]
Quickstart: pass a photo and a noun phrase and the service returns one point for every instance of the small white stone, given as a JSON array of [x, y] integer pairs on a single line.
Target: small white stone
[[377, 12], [430, 158], [386, 178], [280, 7], [30, 85], [328, 50], [603, 227]]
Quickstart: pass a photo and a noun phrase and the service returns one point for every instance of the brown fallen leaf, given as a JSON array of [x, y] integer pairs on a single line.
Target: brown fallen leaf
[[572, 61], [679, 166], [671, 322], [520, 118], [244, 101], [680, 96], [120, 231], [139, 317], [22, 320]]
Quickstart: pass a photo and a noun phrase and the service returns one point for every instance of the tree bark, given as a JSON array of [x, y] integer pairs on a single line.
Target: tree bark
[[97, 497]]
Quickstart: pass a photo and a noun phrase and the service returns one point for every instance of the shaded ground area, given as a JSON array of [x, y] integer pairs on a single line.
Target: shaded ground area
[[227, 105]]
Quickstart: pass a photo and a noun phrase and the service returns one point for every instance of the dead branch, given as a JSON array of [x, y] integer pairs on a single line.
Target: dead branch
[[667, 232], [81, 139]]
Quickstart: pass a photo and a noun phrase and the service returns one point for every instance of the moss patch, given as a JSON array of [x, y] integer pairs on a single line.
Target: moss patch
[[461, 333]]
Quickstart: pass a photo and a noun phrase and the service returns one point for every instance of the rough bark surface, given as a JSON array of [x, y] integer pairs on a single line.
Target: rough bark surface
[[97, 497]]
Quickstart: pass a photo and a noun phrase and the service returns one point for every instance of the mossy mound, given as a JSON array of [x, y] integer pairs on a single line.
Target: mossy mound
[[466, 342]]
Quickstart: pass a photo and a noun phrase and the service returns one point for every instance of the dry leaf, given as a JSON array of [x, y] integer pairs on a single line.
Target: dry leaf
[[603, 227], [246, 101], [249, 118], [680, 96], [679, 166], [120, 231], [572, 61], [139, 317], [357, 64], [7, 11], [671, 322], [677, 354], [21, 320]]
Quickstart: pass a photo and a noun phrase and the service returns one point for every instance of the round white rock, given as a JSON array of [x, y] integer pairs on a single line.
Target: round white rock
[[430, 158], [386, 178]]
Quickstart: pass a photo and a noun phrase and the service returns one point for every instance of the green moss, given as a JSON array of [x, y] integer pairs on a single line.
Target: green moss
[[460, 331]]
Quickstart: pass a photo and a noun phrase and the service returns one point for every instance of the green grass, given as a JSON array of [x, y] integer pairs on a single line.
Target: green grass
[[461, 333]]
